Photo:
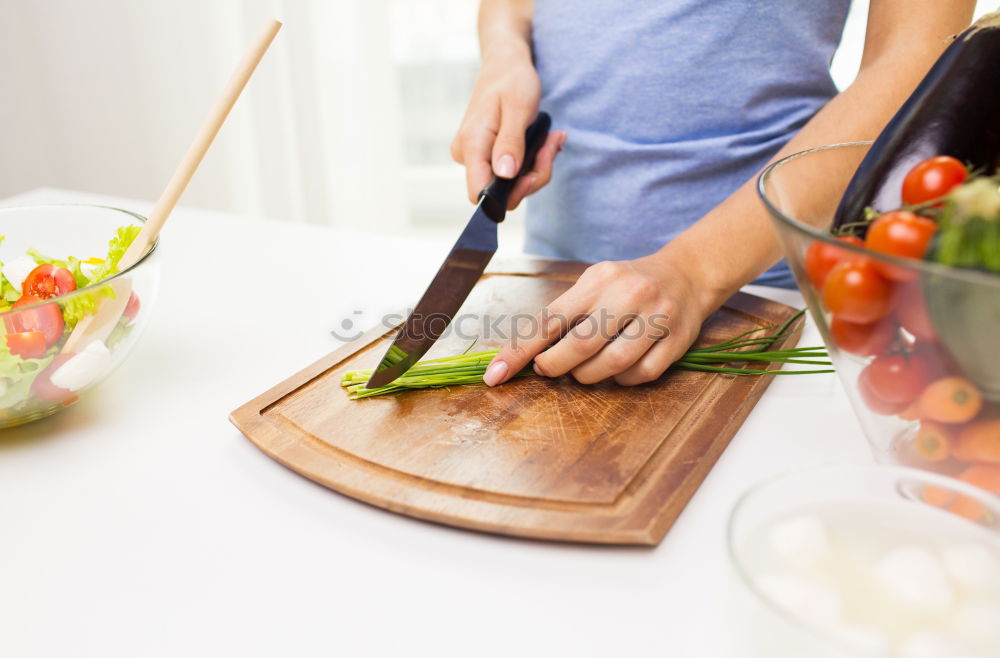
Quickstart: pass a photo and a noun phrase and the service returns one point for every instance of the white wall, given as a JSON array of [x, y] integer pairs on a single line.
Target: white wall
[[104, 96], [848, 58]]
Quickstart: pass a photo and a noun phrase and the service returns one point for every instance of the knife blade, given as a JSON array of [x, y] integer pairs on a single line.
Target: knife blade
[[460, 270]]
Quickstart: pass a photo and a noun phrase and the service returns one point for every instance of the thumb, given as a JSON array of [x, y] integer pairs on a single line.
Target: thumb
[[508, 149]]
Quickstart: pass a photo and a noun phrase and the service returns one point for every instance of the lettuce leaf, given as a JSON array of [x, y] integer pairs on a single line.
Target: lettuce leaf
[[117, 245], [80, 305], [123, 237], [17, 374], [75, 307], [8, 293]]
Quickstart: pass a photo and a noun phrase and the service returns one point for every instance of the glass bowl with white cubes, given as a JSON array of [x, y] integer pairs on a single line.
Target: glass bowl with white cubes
[[854, 562]]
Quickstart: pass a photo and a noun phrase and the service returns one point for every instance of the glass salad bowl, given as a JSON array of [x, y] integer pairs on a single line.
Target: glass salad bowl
[[851, 562], [67, 316], [915, 343]]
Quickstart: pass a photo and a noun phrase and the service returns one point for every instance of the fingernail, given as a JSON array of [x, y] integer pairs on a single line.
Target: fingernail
[[538, 371], [495, 373], [505, 166], [562, 140]]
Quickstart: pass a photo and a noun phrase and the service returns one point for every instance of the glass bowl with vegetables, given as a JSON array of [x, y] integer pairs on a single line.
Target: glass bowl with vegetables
[[907, 299], [68, 315], [851, 562]]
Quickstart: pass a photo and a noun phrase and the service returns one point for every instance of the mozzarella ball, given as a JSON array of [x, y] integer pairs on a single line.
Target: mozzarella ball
[[84, 368], [801, 540], [18, 269], [974, 567], [915, 576]]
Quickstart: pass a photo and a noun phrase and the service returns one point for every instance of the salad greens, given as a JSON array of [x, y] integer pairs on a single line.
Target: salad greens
[[970, 226], [8, 293], [116, 249], [30, 341], [77, 307], [17, 374]]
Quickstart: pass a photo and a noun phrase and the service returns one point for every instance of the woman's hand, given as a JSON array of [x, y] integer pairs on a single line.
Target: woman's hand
[[491, 138], [623, 319]]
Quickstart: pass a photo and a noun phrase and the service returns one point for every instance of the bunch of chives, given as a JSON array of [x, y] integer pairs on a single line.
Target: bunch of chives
[[468, 369]]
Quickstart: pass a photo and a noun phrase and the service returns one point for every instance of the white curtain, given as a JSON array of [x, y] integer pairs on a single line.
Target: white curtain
[[105, 96]]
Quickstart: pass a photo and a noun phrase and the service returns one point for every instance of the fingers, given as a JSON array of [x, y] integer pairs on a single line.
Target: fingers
[[471, 147], [651, 365], [541, 173], [508, 149], [633, 341], [583, 341], [544, 329], [519, 352], [620, 319]]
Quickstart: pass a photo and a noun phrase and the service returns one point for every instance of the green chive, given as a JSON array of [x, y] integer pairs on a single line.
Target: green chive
[[467, 369]]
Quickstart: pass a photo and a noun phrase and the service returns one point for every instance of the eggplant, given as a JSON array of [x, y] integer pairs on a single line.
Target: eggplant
[[954, 111]]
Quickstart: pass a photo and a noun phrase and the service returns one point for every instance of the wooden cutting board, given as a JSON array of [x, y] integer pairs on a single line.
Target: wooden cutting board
[[549, 459]]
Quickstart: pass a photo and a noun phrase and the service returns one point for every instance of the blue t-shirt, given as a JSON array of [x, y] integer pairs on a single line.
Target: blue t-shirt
[[670, 106]]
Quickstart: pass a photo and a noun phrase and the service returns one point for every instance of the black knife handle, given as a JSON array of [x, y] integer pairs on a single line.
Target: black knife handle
[[494, 196]]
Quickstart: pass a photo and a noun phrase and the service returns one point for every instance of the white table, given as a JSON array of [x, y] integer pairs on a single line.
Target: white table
[[141, 523]]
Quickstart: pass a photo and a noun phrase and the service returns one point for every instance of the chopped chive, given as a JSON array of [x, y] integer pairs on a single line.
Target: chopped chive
[[467, 369]]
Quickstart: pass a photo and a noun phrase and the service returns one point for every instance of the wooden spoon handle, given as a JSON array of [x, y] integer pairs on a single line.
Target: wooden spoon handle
[[100, 324], [185, 170]]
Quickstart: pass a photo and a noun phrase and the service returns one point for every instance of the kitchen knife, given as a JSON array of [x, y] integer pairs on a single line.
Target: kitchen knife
[[460, 270]]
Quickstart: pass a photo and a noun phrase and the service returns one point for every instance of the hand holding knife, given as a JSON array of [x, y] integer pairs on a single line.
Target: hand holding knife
[[460, 270]]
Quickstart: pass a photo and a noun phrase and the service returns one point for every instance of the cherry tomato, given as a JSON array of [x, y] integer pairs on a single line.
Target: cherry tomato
[[47, 281], [857, 292], [822, 256], [43, 387], [864, 339], [898, 379], [872, 399], [911, 310], [932, 178], [132, 307], [27, 344], [902, 234], [46, 318]]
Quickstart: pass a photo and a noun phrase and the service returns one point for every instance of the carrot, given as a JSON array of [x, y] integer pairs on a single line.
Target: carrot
[[938, 496], [984, 476], [979, 442], [950, 400], [933, 441]]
